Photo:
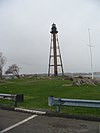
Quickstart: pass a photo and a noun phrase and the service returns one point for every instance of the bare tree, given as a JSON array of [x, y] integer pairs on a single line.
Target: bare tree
[[2, 63], [13, 69]]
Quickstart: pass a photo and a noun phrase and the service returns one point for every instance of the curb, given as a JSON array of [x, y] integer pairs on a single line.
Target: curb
[[77, 117], [54, 114], [30, 111]]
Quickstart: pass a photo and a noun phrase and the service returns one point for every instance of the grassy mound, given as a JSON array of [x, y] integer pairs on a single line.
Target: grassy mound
[[36, 92]]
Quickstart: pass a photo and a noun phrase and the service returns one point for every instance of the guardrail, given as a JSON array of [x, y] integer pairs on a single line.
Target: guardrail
[[16, 98], [52, 101]]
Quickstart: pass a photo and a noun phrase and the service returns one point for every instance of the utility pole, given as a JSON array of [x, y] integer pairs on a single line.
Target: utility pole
[[54, 52]]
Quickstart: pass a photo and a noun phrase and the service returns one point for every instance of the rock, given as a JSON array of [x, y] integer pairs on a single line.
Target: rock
[[84, 81]]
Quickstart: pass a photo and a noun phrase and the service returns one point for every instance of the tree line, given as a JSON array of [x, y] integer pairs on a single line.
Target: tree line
[[12, 69]]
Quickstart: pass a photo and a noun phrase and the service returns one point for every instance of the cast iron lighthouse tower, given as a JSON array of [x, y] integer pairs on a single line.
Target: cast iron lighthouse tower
[[55, 60]]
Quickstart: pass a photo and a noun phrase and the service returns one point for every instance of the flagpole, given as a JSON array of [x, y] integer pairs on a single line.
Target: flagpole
[[91, 54]]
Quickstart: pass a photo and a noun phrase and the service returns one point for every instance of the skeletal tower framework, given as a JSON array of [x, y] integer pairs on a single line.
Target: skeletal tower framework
[[55, 59]]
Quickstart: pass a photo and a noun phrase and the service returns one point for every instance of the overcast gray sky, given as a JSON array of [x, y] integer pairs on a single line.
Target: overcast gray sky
[[25, 33]]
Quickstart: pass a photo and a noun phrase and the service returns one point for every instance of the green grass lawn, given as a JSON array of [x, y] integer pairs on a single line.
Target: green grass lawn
[[36, 92]]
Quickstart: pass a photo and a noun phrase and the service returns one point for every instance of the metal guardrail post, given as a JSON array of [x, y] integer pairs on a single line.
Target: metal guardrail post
[[50, 101], [57, 108], [15, 103], [54, 101]]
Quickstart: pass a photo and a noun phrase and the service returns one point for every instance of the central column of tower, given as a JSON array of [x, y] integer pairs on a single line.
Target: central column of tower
[[54, 32], [55, 55]]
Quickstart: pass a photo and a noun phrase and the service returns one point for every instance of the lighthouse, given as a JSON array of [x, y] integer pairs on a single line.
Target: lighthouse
[[55, 60]]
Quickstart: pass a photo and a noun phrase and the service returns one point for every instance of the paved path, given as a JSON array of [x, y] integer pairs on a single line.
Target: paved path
[[17, 122]]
